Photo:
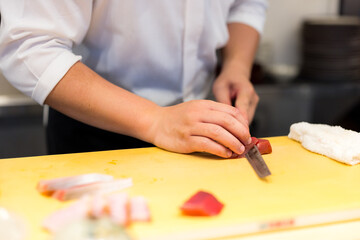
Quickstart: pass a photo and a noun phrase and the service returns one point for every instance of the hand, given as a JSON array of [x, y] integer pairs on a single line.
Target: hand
[[233, 87], [201, 126]]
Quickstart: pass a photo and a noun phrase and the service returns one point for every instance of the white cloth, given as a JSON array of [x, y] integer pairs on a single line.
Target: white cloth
[[163, 50], [332, 141]]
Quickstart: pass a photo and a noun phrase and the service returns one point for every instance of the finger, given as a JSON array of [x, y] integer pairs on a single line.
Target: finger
[[204, 144], [252, 108], [220, 135], [222, 93], [236, 128], [233, 111], [242, 103]]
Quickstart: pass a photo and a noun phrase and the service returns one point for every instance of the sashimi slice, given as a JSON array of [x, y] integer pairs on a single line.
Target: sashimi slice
[[202, 204], [50, 185], [91, 189], [118, 207], [98, 206], [60, 218], [139, 209], [264, 146]]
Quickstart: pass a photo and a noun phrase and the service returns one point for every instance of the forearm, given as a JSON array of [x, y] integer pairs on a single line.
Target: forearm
[[239, 53], [84, 95], [198, 125]]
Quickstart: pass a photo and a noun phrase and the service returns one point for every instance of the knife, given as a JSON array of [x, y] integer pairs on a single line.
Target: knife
[[257, 162]]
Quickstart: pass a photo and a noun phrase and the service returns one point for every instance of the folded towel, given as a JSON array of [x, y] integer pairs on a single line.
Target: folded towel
[[332, 141]]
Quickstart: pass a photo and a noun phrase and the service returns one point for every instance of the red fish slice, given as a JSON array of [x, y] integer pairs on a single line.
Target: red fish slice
[[202, 204], [264, 146]]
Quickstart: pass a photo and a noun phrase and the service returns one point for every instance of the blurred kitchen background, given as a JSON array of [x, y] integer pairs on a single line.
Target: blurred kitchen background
[[307, 69]]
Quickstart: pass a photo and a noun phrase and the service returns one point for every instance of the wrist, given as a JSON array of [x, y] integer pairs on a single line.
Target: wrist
[[146, 123], [236, 68]]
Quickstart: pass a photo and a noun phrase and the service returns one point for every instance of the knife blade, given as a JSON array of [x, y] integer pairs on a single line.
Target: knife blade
[[257, 162]]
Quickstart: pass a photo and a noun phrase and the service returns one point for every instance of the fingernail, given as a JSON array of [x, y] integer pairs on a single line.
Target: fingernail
[[249, 141], [229, 153], [242, 149]]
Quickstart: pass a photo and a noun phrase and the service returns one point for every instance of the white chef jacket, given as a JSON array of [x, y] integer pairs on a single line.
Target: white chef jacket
[[162, 50]]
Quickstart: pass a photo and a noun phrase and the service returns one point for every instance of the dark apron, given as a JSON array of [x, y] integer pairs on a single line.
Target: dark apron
[[66, 135]]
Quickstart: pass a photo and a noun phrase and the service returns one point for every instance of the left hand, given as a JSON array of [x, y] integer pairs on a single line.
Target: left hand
[[234, 87]]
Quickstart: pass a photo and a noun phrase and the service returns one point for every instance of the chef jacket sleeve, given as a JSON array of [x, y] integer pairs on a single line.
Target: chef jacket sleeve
[[249, 12], [36, 40]]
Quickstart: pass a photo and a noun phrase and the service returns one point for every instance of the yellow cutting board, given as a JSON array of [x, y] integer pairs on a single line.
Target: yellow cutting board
[[304, 189]]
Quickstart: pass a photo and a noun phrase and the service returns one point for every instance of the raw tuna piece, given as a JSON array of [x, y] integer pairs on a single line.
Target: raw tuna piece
[[254, 140], [249, 146], [139, 210], [91, 189], [202, 204], [51, 185], [264, 146]]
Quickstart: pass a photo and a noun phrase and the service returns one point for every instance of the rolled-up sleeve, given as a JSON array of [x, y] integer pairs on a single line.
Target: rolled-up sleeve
[[36, 40], [250, 12]]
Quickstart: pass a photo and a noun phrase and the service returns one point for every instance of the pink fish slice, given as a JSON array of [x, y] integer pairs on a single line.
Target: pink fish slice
[[64, 216], [139, 210], [118, 207], [91, 189], [49, 186], [98, 206]]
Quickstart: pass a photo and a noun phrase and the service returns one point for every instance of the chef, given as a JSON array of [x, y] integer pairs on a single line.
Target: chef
[[134, 73]]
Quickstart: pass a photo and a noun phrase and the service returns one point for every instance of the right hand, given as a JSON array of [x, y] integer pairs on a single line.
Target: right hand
[[201, 126]]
